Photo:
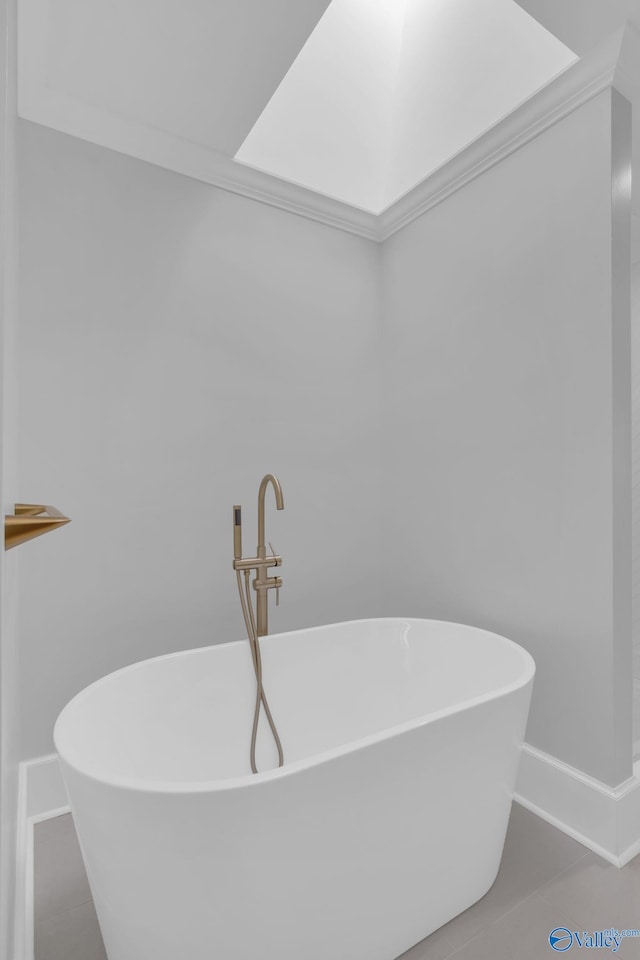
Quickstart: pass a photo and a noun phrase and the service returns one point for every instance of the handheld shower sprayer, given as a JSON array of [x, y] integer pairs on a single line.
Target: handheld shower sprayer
[[237, 533]]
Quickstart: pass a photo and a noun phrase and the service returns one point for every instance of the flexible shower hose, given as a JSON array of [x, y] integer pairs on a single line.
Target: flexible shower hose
[[261, 697]]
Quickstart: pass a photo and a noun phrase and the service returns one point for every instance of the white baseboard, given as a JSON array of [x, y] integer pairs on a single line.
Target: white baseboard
[[44, 786], [41, 795], [605, 819]]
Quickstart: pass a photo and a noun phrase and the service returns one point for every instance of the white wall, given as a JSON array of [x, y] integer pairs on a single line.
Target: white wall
[[9, 685], [176, 343], [505, 374]]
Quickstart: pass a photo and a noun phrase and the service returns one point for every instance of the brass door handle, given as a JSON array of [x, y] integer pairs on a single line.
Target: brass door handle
[[30, 520]]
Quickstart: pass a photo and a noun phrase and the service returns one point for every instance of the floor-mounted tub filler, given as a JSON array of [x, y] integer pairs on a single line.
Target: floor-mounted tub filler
[[401, 740]]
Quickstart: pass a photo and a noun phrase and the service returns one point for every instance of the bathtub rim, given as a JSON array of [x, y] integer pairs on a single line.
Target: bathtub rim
[[171, 787]]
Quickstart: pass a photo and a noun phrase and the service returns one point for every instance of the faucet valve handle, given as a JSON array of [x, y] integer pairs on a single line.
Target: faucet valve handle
[[278, 560]]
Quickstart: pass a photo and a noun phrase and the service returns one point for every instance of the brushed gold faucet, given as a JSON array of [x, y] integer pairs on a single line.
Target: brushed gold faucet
[[261, 562], [262, 584]]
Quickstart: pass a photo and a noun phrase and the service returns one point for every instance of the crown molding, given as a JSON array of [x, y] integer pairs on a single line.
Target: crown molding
[[615, 62], [58, 112], [579, 83]]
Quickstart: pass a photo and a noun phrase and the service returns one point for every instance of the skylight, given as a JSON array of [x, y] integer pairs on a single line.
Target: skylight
[[386, 91]]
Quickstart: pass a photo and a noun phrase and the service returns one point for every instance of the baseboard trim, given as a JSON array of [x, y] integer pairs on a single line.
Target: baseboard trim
[[23, 920], [41, 796], [604, 819]]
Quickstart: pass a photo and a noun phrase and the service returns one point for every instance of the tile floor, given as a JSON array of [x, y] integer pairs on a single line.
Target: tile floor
[[546, 880]]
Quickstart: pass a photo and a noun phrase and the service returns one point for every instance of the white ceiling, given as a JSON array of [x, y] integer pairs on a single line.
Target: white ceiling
[[386, 91], [201, 69], [327, 125], [582, 24]]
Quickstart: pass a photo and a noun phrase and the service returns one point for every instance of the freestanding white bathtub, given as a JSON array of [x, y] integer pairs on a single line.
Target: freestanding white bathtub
[[401, 741]]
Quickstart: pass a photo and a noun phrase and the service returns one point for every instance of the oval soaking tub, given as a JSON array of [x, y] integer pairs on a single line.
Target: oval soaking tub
[[401, 740]]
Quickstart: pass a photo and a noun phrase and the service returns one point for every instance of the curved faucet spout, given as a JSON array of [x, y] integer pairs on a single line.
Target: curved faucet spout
[[277, 489]]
